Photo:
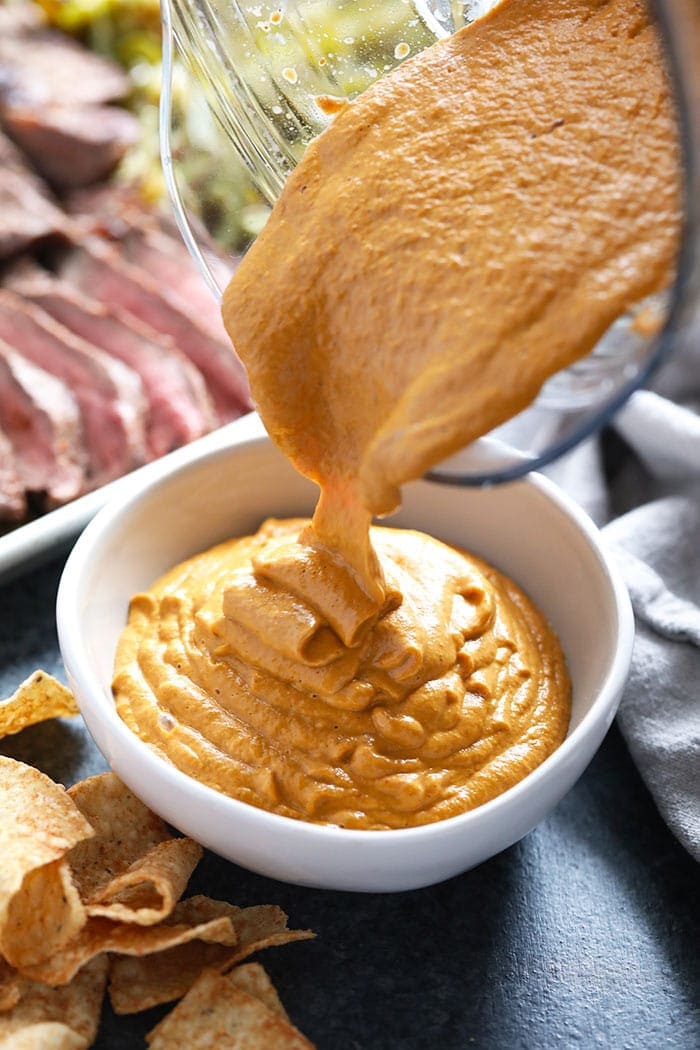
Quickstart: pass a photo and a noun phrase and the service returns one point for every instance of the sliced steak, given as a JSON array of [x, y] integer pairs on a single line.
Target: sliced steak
[[179, 408], [53, 103], [72, 146], [27, 212], [40, 418], [99, 271], [12, 159], [109, 395], [40, 67], [155, 251], [13, 503], [16, 20], [151, 240], [26, 215], [107, 209]]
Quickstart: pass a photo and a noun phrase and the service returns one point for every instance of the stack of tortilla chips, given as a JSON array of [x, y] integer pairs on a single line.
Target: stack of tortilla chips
[[90, 887]]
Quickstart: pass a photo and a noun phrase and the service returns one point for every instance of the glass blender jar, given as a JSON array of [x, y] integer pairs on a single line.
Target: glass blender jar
[[274, 74]]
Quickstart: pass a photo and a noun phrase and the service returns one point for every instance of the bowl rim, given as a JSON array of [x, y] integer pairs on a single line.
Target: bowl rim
[[94, 703]]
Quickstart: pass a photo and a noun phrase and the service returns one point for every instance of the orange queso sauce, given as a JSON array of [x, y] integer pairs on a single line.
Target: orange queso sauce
[[468, 226]]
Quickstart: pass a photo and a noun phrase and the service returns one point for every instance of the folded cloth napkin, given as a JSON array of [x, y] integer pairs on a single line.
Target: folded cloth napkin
[[658, 550], [656, 542]]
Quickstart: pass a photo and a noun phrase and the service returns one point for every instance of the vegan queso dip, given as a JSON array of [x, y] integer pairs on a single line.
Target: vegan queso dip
[[471, 224], [265, 669]]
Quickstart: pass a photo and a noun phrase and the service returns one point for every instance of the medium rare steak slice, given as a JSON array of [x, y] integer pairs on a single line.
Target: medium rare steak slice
[[11, 157], [40, 67], [13, 504], [26, 215], [53, 103], [107, 209], [150, 239], [179, 408], [109, 395], [71, 147], [98, 270], [155, 251], [41, 420]]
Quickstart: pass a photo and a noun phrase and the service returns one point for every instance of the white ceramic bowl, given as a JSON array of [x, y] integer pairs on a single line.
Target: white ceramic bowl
[[528, 529]]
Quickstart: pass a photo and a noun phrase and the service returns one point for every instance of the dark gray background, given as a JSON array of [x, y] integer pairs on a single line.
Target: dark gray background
[[585, 934]]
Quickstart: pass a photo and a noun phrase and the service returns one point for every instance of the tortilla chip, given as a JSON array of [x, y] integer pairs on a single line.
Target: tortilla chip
[[101, 935], [132, 870], [262, 926], [44, 915], [138, 984], [125, 830], [50, 1035], [65, 1017], [150, 889], [216, 1013], [39, 824], [9, 986], [38, 698], [252, 978]]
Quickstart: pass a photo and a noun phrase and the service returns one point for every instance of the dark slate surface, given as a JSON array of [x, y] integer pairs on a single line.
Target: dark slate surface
[[585, 934]]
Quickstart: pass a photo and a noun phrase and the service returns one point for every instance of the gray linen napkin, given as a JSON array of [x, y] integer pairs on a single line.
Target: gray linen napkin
[[657, 546], [658, 550]]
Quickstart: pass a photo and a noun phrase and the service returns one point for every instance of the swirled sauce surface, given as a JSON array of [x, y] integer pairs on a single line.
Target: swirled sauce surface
[[468, 226], [260, 668]]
